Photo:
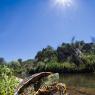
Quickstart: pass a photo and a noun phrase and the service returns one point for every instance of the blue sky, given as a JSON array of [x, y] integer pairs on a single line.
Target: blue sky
[[27, 26]]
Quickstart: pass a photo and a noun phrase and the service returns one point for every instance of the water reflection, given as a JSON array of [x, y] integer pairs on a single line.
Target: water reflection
[[79, 80]]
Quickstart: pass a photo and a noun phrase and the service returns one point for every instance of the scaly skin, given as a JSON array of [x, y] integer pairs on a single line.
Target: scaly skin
[[50, 90]]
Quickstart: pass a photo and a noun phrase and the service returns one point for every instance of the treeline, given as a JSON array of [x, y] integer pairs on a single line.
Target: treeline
[[74, 57]]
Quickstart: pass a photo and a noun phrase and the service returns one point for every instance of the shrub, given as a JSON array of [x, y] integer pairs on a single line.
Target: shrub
[[7, 81]]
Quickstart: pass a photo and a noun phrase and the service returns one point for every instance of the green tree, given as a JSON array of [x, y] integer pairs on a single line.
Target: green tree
[[46, 55]]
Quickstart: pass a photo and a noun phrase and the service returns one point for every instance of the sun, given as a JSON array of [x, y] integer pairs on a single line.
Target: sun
[[63, 3]]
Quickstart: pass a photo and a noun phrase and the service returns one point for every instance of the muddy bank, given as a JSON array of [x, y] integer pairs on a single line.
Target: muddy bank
[[80, 91]]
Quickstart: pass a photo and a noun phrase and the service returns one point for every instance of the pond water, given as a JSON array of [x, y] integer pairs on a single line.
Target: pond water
[[79, 80]]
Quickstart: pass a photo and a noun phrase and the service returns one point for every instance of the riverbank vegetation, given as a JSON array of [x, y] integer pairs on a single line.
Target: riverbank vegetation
[[74, 57]]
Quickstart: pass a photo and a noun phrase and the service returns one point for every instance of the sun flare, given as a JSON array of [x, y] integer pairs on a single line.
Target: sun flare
[[63, 3]]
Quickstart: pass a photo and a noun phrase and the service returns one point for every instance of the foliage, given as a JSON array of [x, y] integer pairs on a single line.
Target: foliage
[[21, 68], [76, 56], [46, 55], [7, 81]]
